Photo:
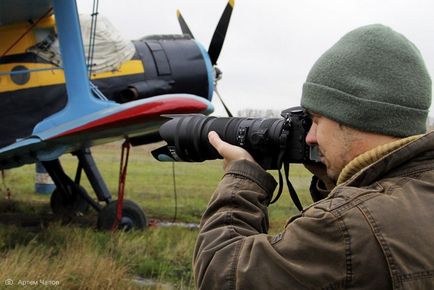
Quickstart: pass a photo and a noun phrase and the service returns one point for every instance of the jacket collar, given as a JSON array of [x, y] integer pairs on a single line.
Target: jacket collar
[[373, 164]]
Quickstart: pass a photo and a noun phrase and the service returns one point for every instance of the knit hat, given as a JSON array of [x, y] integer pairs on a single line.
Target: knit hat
[[373, 79]]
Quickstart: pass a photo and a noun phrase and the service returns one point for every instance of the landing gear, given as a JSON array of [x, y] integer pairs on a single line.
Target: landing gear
[[70, 198], [69, 203], [132, 216]]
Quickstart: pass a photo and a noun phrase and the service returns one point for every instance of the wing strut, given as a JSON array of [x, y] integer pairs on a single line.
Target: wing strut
[[81, 101]]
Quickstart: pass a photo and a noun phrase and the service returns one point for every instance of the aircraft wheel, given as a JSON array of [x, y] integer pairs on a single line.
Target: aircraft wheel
[[66, 204], [133, 216]]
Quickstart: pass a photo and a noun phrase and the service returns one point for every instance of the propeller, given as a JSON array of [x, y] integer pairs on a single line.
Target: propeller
[[216, 44], [218, 38], [219, 35], [183, 24]]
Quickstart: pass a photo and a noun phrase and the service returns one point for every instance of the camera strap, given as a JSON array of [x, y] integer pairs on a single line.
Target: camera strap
[[283, 138], [283, 144], [291, 189], [279, 192]]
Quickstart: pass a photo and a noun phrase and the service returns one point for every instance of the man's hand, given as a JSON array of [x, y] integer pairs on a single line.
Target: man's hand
[[228, 151], [320, 171]]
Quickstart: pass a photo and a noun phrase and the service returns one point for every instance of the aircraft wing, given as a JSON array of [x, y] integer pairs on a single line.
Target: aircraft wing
[[14, 11], [128, 120]]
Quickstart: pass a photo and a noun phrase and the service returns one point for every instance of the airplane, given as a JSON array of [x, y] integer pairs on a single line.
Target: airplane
[[53, 103]]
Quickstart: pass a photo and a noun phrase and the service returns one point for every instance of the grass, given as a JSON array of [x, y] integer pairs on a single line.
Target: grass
[[83, 258], [70, 257]]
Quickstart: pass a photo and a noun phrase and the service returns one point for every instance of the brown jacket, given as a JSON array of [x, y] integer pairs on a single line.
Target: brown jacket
[[374, 231]]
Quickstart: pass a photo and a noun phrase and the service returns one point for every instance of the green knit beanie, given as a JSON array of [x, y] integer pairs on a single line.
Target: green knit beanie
[[373, 79]]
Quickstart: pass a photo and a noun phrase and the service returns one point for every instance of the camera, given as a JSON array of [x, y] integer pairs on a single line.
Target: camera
[[270, 141]]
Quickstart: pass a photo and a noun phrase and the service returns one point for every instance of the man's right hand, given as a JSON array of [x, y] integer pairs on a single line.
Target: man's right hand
[[320, 171]]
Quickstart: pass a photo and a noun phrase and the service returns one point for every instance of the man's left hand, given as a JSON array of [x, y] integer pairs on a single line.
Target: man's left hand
[[228, 151]]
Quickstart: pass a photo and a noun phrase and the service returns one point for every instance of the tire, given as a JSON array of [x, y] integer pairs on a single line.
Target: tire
[[133, 216], [66, 204]]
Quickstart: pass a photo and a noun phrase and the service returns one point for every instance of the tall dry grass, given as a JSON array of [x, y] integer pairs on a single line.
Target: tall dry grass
[[68, 258], [79, 258]]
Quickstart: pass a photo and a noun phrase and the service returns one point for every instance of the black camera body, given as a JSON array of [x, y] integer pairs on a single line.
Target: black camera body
[[271, 141]]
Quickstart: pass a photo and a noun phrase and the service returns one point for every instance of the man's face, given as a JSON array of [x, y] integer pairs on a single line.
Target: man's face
[[336, 143]]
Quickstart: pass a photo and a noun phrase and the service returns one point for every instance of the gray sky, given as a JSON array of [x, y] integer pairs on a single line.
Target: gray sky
[[271, 45]]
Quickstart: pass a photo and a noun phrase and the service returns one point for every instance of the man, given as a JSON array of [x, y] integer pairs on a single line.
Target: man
[[368, 96]]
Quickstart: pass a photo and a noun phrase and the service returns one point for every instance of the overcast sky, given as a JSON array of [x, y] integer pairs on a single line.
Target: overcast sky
[[271, 44]]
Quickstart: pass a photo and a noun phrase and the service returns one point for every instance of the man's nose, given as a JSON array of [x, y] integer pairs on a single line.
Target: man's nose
[[311, 135]]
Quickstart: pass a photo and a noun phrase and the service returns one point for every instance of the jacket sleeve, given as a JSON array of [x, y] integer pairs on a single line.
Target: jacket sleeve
[[233, 250]]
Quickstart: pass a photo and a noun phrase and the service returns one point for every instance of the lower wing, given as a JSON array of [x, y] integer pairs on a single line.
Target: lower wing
[[129, 120]]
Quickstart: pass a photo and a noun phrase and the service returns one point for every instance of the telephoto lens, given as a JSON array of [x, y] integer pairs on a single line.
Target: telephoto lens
[[269, 141]]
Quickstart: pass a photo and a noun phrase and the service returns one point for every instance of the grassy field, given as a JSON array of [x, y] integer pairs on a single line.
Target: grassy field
[[79, 257]]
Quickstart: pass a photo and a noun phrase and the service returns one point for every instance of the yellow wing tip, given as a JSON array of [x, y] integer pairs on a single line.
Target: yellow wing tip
[[232, 2], [178, 12]]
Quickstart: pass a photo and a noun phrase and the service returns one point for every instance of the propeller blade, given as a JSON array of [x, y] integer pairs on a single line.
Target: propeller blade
[[223, 103], [183, 24], [218, 38], [226, 108]]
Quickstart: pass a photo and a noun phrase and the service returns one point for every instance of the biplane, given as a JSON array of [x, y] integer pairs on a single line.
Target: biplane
[[60, 95]]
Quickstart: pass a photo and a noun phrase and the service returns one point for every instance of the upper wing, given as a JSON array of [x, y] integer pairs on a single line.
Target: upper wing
[[14, 11], [128, 120]]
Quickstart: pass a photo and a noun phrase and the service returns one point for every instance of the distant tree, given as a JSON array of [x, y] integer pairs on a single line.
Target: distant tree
[[259, 113]]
